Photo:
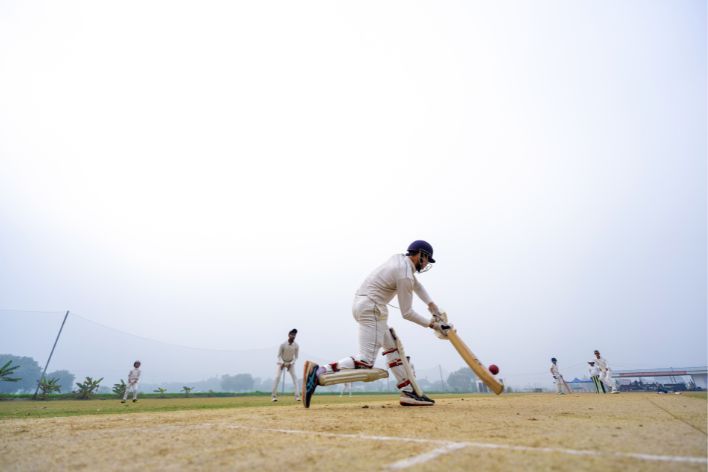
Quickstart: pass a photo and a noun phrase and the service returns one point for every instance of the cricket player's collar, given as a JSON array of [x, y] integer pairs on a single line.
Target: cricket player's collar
[[410, 262]]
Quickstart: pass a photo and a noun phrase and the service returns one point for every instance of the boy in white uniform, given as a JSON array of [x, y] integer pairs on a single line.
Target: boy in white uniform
[[606, 373], [133, 379], [287, 355], [557, 377], [395, 277]]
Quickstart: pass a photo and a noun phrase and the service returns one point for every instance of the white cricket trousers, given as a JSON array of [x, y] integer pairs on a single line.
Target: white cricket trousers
[[559, 384], [131, 387], [373, 335], [607, 379], [278, 372]]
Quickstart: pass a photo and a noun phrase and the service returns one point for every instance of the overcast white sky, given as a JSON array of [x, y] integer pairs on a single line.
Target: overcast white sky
[[213, 174]]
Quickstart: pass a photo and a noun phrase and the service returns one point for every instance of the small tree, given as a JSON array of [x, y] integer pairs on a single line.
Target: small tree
[[462, 380], [7, 370], [187, 390], [47, 386], [87, 388], [119, 388], [28, 374], [161, 391], [66, 379]]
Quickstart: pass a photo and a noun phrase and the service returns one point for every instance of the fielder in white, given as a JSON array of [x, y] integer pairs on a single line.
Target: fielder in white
[[346, 387], [287, 355], [394, 278], [557, 377], [133, 380], [606, 373]]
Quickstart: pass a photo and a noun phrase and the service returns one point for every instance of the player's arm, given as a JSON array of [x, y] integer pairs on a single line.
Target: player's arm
[[280, 354], [404, 291], [423, 295]]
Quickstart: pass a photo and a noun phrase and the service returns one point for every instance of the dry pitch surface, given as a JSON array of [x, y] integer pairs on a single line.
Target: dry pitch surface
[[524, 432]]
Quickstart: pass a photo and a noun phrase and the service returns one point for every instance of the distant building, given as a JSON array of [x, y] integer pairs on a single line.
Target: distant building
[[698, 375]]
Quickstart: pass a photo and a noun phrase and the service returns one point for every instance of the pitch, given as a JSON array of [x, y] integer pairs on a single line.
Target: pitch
[[461, 432]]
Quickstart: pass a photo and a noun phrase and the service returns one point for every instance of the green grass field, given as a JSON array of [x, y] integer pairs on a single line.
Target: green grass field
[[26, 408]]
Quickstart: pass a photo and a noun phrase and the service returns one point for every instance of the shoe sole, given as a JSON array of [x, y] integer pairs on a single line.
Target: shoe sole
[[307, 373], [415, 403], [411, 402]]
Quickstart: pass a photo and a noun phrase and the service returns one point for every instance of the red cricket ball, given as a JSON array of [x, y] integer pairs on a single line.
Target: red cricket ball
[[494, 369]]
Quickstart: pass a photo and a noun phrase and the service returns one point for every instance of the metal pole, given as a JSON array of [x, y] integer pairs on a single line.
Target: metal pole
[[51, 353]]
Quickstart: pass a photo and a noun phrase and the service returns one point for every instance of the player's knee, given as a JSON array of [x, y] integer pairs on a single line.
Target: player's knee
[[362, 363]]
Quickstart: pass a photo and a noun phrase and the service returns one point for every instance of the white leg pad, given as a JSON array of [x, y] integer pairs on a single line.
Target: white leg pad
[[397, 360], [352, 375]]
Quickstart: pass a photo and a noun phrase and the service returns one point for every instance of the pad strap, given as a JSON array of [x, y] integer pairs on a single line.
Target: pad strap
[[405, 383], [362, 364]]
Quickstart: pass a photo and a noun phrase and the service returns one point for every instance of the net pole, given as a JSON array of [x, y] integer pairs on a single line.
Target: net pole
[[51, 353]]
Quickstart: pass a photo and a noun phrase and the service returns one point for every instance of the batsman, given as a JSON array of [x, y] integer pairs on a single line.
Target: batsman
[[394, 278]]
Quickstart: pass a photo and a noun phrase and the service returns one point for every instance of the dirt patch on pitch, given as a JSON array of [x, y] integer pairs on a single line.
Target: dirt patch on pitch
[[374, 435]]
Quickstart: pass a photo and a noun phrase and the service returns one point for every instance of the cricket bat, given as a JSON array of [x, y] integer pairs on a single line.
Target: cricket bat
[[477, 367]]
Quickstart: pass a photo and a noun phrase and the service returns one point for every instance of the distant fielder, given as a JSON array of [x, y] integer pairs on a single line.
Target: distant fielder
[[133, 380], [394, 278], [606, 373], [561, 387], [346, 388], [287, 355]]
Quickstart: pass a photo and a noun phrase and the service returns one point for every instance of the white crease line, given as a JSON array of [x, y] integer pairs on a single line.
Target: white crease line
[[449, 446], [446, 446], [578, 452], [421, 458]]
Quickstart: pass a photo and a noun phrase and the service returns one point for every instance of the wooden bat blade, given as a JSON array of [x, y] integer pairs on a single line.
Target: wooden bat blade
[[474, 363]]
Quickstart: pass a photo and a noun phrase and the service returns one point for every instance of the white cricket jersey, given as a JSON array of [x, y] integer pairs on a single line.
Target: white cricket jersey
[[134, 376], [601, 363], [554, 370], [288, 352], [396, 277]]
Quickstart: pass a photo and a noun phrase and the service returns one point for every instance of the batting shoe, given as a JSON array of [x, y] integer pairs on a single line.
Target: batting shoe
[[411, 399], [309, 382]]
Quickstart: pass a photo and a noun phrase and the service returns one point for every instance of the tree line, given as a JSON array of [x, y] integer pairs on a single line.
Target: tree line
[[23, 375]]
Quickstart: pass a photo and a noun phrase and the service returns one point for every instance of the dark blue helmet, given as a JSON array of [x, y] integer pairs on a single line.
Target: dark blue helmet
[[423, 246]]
